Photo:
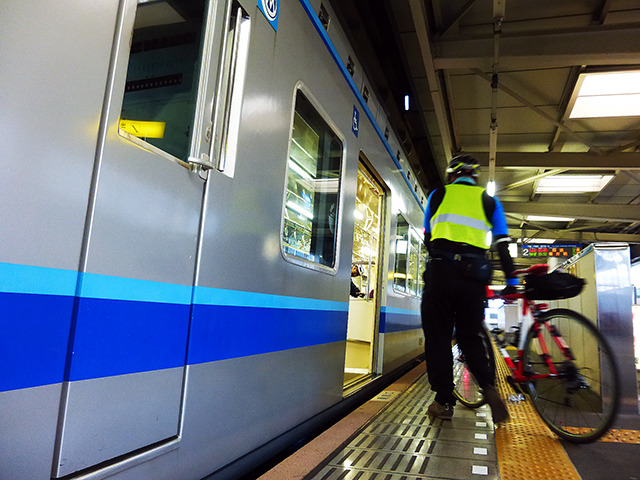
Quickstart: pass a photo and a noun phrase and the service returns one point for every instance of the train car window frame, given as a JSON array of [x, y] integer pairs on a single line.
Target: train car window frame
[[410, 259], [401, 249], [163, 89], [175, 102], [311, 191], [413, 262], [230, 90]]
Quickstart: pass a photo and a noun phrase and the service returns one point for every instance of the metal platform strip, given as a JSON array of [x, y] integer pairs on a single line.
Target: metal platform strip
[[403, 443]]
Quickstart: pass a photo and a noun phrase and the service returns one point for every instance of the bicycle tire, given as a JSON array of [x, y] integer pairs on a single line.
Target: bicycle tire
[[580, 403], [466, 389]]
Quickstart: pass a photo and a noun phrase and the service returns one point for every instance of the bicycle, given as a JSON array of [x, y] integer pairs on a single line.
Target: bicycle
[[575, 391]]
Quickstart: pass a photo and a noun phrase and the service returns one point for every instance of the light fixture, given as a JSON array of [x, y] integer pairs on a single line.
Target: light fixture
[[573, 183], [491, 188], [497, 288], [406, 102], [606, 94], [543, 241], [542, 218], [301, 210], [293, 165]]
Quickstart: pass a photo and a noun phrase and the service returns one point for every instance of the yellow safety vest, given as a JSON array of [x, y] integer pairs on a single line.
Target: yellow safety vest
[[461, 216]]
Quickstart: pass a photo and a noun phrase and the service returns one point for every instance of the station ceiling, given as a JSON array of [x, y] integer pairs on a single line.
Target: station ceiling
[[466, 62]]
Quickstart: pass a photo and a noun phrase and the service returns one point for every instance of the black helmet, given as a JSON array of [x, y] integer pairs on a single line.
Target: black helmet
[[464, 164]]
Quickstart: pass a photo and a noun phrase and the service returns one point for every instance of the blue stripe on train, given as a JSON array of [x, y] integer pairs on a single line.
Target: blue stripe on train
[[223, 332], [115, 336], [399, 320], [147, 327], [34, 333]]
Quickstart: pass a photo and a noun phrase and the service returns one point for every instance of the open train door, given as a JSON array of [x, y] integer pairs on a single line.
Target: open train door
[[366, 281]]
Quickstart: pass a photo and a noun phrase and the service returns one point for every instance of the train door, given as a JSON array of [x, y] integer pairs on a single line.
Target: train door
[[364, 300], [172, 67]]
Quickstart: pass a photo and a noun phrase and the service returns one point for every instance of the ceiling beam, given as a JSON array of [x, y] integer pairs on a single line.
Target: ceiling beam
[[613, 213], [591, 46], [455, 18], [532, 179], [577, 237], [573, 161], [420, 22], [539, 111], [601, 15]]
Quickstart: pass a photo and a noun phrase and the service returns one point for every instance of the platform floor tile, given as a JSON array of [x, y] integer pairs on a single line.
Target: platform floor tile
[[404, 443]]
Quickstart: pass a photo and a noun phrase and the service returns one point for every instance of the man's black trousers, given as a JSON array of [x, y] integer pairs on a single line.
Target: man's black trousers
[[451, 301]]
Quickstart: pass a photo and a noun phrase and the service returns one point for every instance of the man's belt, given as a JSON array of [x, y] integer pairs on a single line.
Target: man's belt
[[455, 257]]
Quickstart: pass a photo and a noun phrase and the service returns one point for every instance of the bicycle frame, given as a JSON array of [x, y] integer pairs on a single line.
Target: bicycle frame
[[517, 367], [576, 395]]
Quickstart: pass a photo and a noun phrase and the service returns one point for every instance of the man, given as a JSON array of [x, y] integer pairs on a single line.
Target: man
[[460, 221]]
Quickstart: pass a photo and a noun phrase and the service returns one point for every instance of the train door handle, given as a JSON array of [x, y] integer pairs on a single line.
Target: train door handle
[[202, 161]]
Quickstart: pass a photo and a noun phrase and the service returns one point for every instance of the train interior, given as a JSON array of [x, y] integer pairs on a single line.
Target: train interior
[[364, 304]]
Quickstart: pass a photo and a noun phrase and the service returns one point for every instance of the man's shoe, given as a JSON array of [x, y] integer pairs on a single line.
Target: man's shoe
[[499, 410], [443, 412]]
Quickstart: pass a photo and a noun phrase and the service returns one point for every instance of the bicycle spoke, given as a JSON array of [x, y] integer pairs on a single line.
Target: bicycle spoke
[[466, 390], [578, 403]]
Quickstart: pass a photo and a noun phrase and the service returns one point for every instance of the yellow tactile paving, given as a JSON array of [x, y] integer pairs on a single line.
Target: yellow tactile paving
[[526, 447]]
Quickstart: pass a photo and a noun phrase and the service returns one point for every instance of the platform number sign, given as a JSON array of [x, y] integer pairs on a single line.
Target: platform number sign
[[355, 121], [270, 9], [566, 251]]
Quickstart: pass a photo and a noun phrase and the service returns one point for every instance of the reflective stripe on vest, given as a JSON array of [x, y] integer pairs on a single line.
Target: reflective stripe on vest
[[461, 216]]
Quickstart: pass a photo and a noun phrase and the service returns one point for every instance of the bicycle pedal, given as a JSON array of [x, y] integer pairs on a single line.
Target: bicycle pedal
[[517, 398]]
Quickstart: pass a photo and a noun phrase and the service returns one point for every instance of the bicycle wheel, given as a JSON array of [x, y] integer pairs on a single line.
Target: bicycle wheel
[[466, 389], [579, 401]]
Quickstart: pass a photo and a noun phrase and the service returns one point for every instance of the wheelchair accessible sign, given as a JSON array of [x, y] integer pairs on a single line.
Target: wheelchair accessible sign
[[270, 9]]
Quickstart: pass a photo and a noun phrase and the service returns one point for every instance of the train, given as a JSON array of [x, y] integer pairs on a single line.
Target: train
[[190, 190]]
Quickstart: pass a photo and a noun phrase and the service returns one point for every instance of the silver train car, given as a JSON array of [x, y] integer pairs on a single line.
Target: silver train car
[[188, 189]]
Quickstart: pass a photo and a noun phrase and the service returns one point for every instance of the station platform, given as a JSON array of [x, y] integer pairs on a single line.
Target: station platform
[[391, 437]]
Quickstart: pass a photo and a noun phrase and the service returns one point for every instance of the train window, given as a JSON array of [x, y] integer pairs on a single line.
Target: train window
[[310, 216], [402, 248], [410, 258], [162, 77], [412, 263]]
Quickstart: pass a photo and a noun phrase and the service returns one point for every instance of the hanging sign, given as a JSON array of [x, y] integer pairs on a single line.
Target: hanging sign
[[355, 121], [538, 250]]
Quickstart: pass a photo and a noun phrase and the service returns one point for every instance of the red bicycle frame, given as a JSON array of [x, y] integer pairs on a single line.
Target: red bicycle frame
[[517, 366]]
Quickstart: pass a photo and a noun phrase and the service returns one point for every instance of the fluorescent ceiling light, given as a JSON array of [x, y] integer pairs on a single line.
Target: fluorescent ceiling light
[[547, 241], [573, 183], [301, 210], [607, 94], [542, 218], [491, 188]]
